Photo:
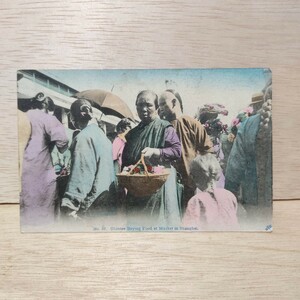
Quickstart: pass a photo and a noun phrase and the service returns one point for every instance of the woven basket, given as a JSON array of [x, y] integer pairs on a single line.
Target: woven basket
[[141, 185]]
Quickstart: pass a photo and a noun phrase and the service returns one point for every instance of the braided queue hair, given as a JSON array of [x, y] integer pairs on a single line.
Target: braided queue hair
[[263, 149], [207, 165], [265, 112]]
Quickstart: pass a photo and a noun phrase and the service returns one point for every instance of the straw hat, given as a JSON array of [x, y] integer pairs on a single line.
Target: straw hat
[[257, 97]]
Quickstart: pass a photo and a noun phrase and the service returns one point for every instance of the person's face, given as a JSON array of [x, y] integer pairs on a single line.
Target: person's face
[[145, 107], [127, 129], [166, 106]]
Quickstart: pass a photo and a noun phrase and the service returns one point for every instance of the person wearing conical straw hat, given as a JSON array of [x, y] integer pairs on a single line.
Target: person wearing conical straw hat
[[257, 102]]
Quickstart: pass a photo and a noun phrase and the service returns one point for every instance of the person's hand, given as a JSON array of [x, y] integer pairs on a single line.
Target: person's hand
[[64, 172], [58, 169], [151, 153], [65, 202], [74, 215]]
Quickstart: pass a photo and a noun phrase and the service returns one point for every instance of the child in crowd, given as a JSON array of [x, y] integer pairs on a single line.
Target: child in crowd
[[212, 208]]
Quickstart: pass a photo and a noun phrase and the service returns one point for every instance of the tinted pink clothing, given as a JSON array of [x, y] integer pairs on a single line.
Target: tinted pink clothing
[[212, 213], [118, 147], [38, 196]]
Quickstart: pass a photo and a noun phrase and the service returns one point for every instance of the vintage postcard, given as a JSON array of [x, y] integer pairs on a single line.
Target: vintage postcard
[[176, 150]]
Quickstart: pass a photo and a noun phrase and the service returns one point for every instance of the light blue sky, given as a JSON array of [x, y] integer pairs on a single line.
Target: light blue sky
[[230, 87]]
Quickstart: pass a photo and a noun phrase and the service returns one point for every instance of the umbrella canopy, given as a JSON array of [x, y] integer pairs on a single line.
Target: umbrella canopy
[[107, 102]]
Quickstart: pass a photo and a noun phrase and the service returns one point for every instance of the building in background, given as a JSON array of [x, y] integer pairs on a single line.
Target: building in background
[[31, 82]]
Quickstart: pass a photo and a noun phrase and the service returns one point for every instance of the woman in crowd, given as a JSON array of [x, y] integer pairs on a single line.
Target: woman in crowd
[[118, 146], [119, 142], [157, 140], [212, 208], [38, 199], [92, 176]]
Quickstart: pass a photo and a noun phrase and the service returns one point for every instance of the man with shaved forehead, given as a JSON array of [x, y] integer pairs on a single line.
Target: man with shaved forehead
[[193, 137]]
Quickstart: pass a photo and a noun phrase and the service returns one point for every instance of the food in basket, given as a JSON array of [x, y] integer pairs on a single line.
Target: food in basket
[[143, 180], [140, 169]]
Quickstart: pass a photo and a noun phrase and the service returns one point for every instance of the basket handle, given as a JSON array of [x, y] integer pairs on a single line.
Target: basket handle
[[142, 160]]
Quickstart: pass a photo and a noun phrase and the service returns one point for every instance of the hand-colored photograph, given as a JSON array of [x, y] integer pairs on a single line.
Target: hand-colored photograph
[[145, 150]]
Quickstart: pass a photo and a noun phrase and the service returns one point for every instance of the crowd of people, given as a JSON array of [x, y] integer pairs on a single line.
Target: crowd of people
[[215, 171]]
